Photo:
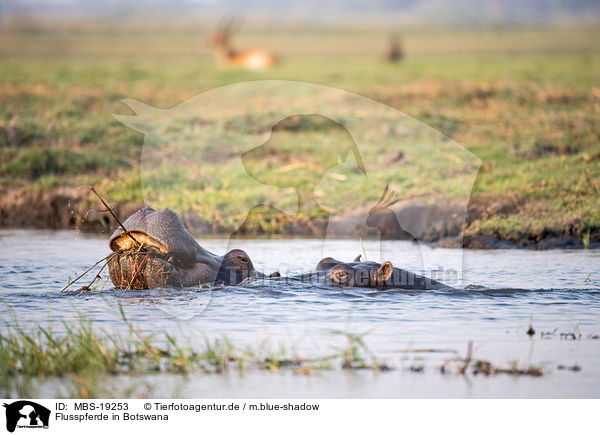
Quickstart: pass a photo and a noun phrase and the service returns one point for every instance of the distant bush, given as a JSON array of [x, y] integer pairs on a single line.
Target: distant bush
[[36, 162]]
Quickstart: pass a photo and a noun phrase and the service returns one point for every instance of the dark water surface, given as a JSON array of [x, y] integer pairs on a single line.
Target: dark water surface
[[559, 289]]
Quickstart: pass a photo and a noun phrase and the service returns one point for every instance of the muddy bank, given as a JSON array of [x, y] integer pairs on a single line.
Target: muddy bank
[[442, 223], [60, 208], [448, 224], [405, 220]]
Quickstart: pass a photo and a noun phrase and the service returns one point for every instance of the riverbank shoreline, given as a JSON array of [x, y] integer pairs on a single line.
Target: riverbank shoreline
[[526, 106], [444, 224]]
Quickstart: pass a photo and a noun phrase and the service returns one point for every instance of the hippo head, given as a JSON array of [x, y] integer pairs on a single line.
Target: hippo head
[[357, 273], [235, 268], [158, 251], [161, 231], [373, 275]]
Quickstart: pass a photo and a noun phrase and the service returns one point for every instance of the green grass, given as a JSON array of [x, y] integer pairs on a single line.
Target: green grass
[[89, 358], [84, 361], [504, 94]]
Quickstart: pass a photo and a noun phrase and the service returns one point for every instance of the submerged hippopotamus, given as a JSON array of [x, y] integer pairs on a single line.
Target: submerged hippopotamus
[[157, 251], [369, 274]]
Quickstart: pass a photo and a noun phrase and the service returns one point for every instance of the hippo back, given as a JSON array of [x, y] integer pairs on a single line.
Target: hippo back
[[160, 229]]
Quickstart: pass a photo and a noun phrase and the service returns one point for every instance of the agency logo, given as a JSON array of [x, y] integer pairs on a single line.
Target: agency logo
[[25, 414]]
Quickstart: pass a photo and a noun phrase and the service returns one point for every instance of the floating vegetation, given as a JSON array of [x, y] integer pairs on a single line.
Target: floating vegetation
[[573, 368], [468, 365], [513, 368], [82, 352], [574, 334], [357, 355], [131, 261], [92, 362]]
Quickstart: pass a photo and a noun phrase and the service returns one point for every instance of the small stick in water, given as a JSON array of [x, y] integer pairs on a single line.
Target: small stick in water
[[108, 257], [462, 370], [114, 215]]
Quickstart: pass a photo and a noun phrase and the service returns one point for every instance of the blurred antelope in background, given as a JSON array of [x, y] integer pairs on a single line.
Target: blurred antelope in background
[[227, 57], [395, 51]]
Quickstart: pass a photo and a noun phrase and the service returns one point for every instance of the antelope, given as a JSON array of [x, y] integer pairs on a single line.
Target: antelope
[[227, 57], [395, 51]]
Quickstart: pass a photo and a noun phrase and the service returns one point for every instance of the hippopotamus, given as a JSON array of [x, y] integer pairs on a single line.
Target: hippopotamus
[[158, 251], [369, 274]]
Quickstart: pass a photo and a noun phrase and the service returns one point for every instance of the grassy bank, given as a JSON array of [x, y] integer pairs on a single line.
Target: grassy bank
[[526, 102]]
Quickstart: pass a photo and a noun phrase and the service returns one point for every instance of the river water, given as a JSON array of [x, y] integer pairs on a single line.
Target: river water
[[558, 290]]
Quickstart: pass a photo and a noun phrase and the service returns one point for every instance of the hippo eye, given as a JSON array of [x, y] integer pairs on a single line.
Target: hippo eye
[[341, 275]]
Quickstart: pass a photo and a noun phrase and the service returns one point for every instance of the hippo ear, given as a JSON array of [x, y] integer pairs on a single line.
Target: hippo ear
[[357, 259], [145, 118], [385, 272]]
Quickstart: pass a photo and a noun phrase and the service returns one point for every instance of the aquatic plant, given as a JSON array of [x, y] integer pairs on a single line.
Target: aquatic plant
[[586, 239], [83, 353], [92, 362]]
